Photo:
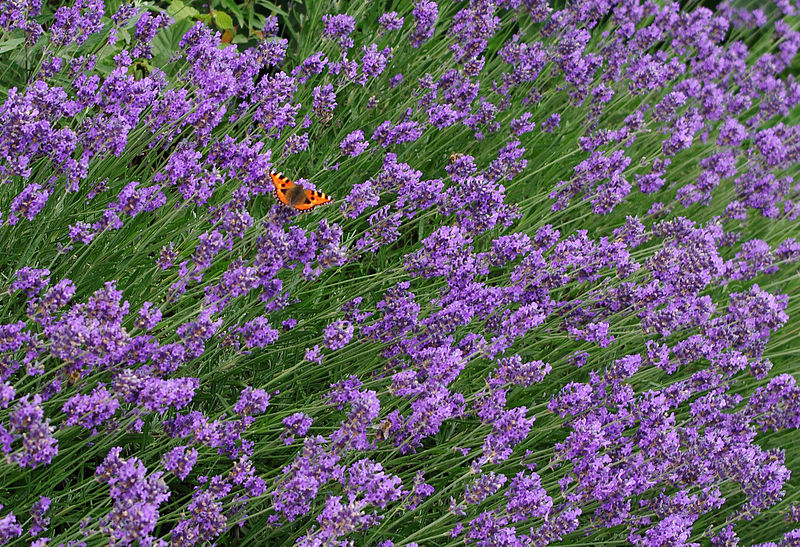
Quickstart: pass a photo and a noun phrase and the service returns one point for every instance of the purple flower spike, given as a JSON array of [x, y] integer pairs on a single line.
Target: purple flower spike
[[251, 402], [296, 425], [90, 411], [136, 496], [149, 317], [338, 28], [389, 21], [180, 461], [9, 527], [425, 14], [27, 423], [374, 61], [551, 123], [40, 522], [314, 355], [354, 144], [338, 334], [296, 144]]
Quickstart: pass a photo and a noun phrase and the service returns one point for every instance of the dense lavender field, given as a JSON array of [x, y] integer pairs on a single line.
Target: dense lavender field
[[554, 298]]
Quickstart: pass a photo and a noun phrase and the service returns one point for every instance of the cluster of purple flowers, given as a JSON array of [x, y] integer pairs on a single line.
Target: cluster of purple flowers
[[667, 314]]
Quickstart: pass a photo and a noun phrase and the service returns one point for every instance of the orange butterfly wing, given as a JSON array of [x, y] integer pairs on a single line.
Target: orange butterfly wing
[[313, 199], [284, 190], [282, 187]]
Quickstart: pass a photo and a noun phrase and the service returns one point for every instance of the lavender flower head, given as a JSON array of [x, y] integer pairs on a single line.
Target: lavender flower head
[[9, 527], [297, 425], [338, 28], [391, 20], [180, 461], [40, 522], [425, 14], [551, 123], [354, 144], [338, 334]]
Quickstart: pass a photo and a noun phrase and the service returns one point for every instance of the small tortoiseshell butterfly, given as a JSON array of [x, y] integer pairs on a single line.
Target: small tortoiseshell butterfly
[[296, 196]]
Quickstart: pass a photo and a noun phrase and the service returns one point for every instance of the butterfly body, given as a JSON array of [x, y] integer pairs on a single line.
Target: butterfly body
[[294, 195]]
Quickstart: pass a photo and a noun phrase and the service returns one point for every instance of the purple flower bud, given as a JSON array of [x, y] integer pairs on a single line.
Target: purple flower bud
[[54, 299], [443, 115], [390, 21], [527, 499], [425, 14], [9, 528], [167, 256], [551, 123], [314, 355], [419, 492], [251, 402], [461, 168], [295, 144], [513, 370], [731, 133], [136, 498], [354, 144], [383, 229], [788, 251], [484, 486], [296, 425], [90, 411], [147, 27], [180, 461], [633, 232], [338, 26], [40, 522], [522, 125], [313, 64], [7, 394], [27, 423], [338, 334], [28, 203], [77, 23], [489, 528], [272, 52], [149, 317], [154, 394], [373, 63], [324, 102], [30, 280]]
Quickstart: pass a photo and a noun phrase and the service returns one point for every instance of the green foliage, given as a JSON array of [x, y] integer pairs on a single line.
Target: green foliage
[[128, 256]]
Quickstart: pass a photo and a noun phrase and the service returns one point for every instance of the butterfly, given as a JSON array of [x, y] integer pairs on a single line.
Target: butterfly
[[296, 196]]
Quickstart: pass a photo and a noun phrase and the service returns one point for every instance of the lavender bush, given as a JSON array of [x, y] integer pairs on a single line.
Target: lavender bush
[[553, 302]]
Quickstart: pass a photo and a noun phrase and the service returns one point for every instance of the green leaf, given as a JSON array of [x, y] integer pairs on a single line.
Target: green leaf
[[234, 9], [124, 35], [272, 7], [11, 44], [178, 10], [223, 20], [165, 44], [175, 7]]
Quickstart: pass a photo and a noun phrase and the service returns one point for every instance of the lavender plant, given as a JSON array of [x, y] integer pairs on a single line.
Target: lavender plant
[[553, 302]]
